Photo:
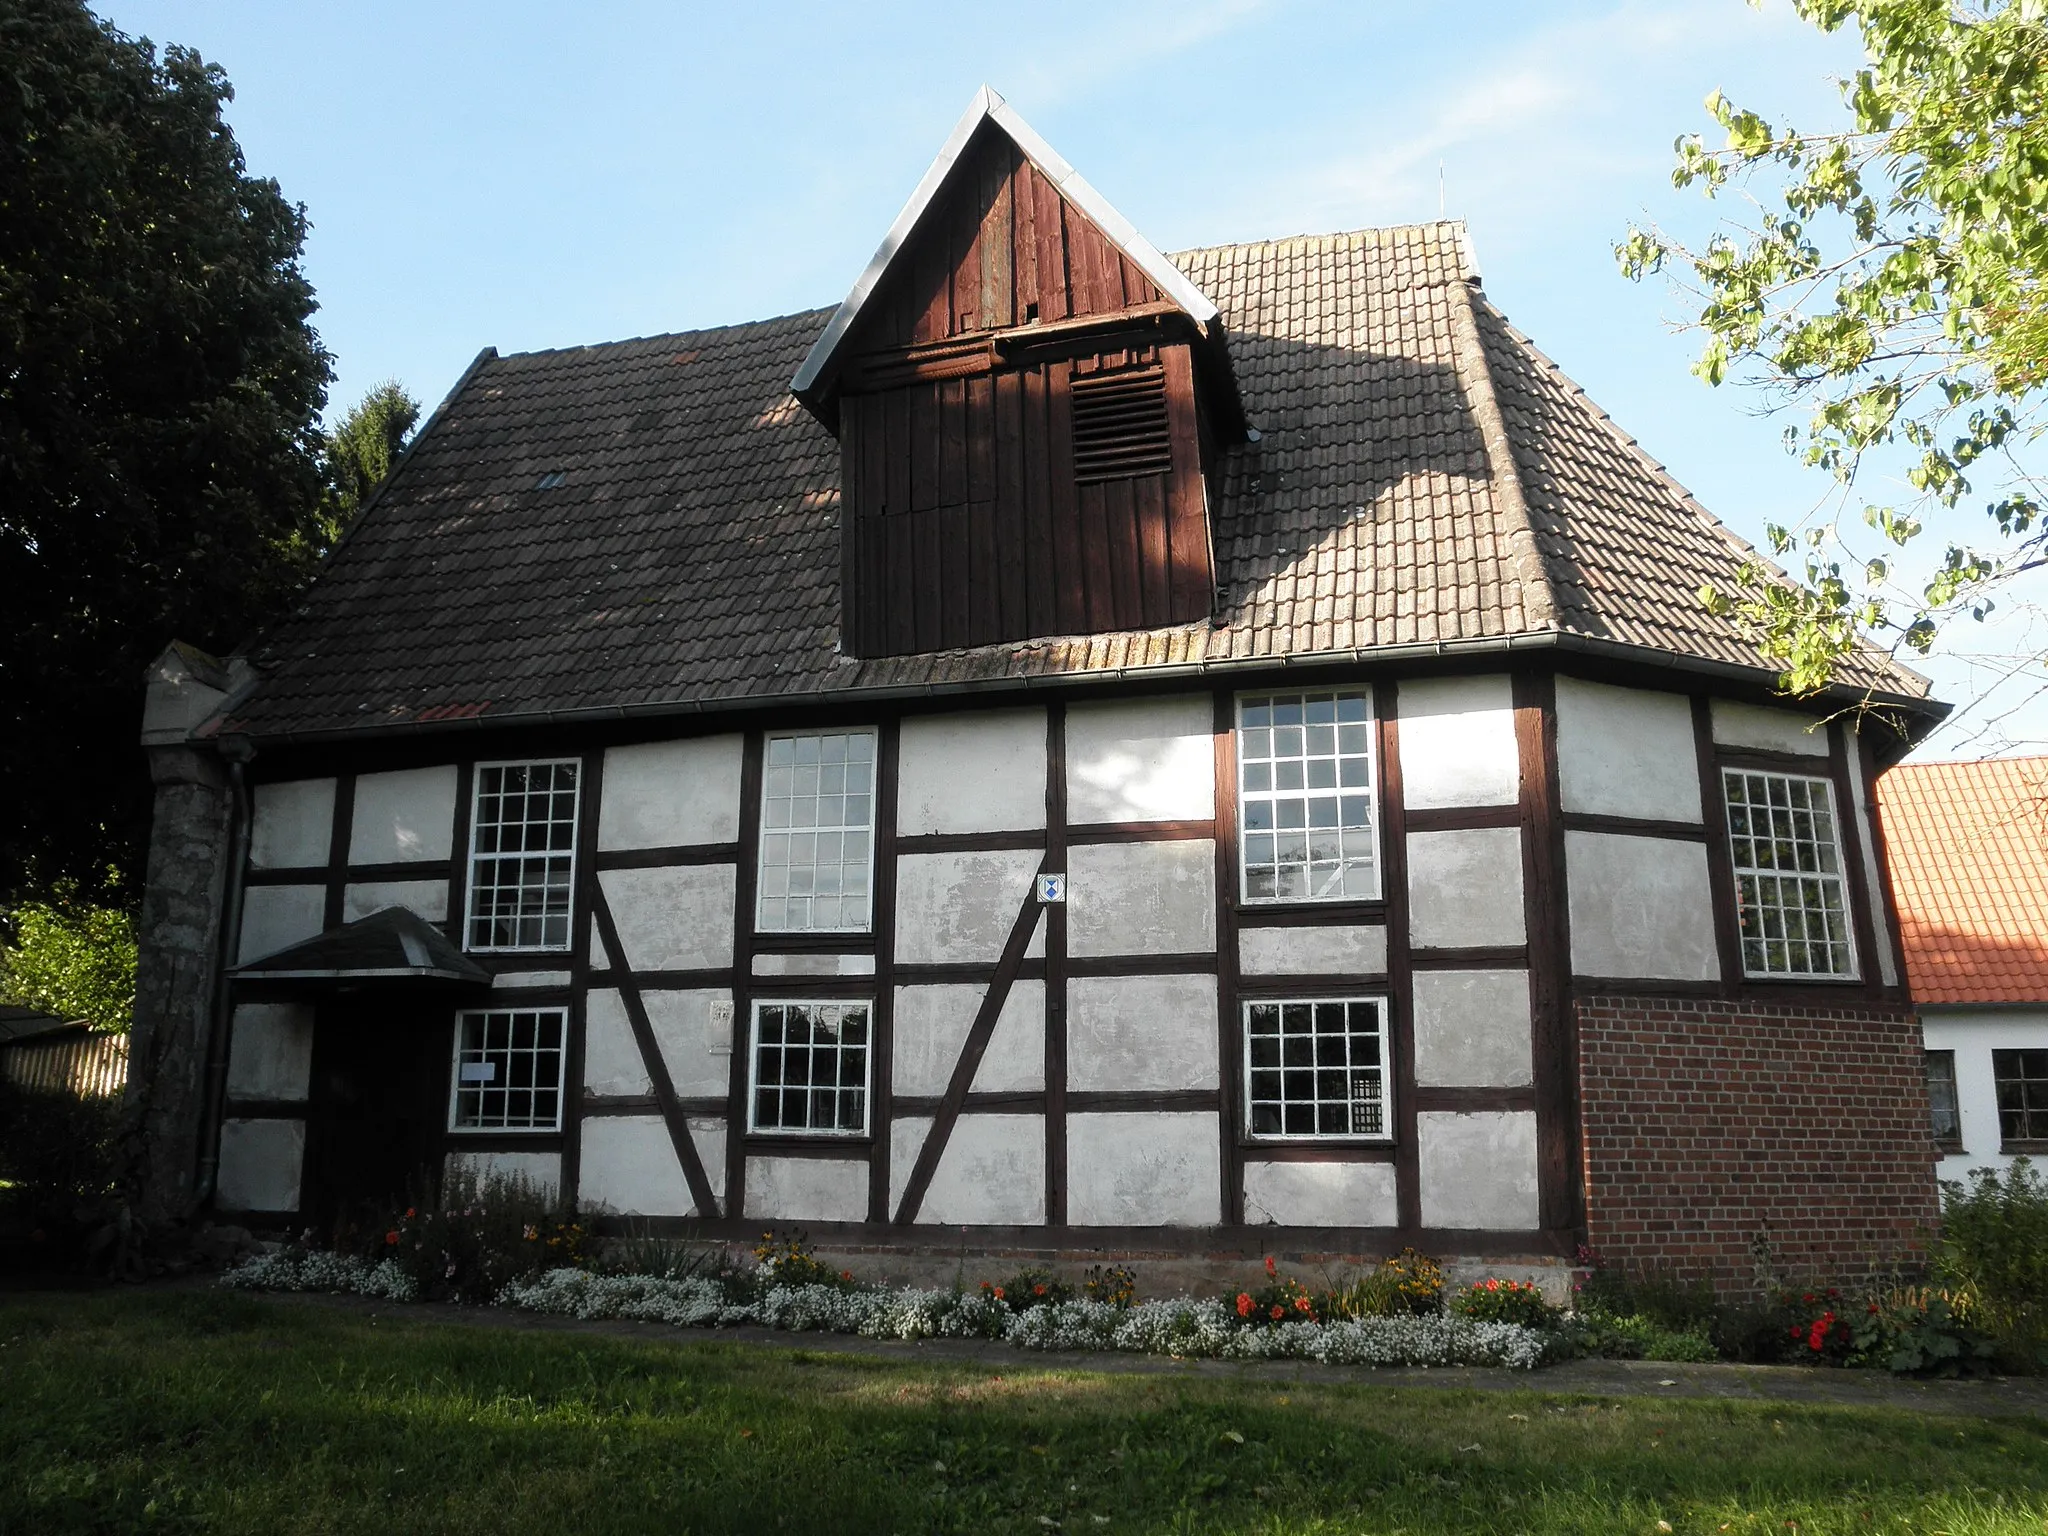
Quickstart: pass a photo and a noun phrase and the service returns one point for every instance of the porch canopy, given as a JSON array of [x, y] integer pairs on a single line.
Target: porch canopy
[[395, 944]]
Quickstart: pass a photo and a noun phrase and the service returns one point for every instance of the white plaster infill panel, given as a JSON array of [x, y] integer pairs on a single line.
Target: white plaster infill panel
[[1319, 1194], [291, 824], [629, 1165], [676, 919], [612, 1065], [1465, 888], [1143, 1170], [1472, 1029], [429, 898], [980, 771], [1337, 951], [1760, 728], [1640, 907], [537, 1170], [403, 817], [930, 1026], [275, 916], [961, 906], [1458, 743], [1142, 898], [807, 1188], [270, 1052], [1626, 752], [1478, 1171], [814, 965], [1141, 760], [992, 1172], [671, 794], [260, 1164], [1141, 1034]]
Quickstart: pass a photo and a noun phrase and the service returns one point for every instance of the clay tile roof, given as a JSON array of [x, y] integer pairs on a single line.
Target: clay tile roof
[[651, 525], [1967, 845]]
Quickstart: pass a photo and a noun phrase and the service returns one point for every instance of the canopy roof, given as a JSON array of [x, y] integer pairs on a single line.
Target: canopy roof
[[394, 944]]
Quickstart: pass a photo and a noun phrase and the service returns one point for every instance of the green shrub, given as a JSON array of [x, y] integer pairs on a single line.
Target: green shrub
[[478, 1235], [1505, 1301], [1914, 1331], [1279, 1300], [69, 957], [1114, 1284], [639, 1251], [1602, 1337], [788, 1260], [1672, 1305], [55, 1149], [1410, 1284], [1993, 1257], [1032, 1286]]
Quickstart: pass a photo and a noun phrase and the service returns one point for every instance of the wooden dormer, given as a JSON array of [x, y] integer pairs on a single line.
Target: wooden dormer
[[1027, 397]]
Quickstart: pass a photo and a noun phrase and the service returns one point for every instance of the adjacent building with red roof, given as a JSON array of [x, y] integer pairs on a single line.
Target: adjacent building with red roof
[[1969, 869]]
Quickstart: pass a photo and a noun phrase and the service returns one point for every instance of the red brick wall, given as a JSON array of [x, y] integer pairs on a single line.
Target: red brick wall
[[1706, 1123]]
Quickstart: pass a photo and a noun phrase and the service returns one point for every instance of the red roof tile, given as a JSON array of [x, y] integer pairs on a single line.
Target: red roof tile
[[1968, 846]]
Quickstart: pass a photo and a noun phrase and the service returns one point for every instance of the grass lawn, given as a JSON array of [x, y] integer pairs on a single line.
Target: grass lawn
[[143, 1411]]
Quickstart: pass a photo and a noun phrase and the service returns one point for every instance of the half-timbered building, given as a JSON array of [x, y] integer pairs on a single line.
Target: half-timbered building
[[1072, 751]]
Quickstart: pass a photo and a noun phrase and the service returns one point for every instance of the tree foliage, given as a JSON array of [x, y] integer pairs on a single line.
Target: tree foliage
[[358, 453], [1894, 284], [71, 957], [160, 387]]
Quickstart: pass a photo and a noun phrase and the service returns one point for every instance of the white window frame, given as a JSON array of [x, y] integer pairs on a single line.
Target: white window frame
[[456, 1127], [470, 915], [1852, 970], [763, 832], [1953, 1142], [1375, 833], [867, 1094], [1381, 1006]]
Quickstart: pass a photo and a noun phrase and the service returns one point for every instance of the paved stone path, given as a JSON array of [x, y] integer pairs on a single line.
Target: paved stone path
[[1575, 1378]]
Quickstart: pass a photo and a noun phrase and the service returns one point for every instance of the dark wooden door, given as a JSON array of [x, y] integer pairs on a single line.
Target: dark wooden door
[[380, 1083]]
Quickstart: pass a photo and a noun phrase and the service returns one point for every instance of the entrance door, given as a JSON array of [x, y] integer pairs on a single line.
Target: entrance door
[[379, 1105]]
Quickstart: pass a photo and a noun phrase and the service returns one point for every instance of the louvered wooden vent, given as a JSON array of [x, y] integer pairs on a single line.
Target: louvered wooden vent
[[1120, 427]]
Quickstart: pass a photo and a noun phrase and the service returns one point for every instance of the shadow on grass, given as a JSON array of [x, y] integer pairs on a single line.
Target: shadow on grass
[[188, 1411]]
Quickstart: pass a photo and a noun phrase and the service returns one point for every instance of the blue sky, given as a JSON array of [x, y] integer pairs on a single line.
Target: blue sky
[[525, 175]]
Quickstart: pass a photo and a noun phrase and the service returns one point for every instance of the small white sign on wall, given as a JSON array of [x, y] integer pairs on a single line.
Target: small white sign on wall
[[479, 1071], [718, 1028], [1052, 888]]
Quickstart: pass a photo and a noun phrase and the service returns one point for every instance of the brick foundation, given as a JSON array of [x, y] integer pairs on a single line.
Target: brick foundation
[[1707, 1123]]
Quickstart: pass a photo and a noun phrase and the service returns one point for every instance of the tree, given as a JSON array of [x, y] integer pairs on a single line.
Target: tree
[[70, 957], [160, 388], [1894, 284], [359, 453]]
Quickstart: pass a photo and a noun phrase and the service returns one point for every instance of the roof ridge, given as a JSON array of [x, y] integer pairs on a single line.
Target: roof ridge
[[1539, 598], [652, 336], [1460, 236]]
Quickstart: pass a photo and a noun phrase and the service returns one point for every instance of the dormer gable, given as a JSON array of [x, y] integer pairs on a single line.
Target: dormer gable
[[1028, 397]]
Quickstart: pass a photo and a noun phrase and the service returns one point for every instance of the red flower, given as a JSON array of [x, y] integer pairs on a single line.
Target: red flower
[[1797, 1330], [410, 1213], [391, 1238], [999, 1293], [1493, 1285], [1271, 1268], [1303, 1304], [1038, 1290], [1278, 1312], [1244, 1305]]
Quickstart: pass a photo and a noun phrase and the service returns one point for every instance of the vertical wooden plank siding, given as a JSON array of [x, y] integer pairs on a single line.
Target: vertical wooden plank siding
[[1193, 578], [1890, 913], [1720, 871], [1400, 971], [745, 874], [590, 806], [1230, 1115], [882, 1016], [1544, 916], [1056, 967]]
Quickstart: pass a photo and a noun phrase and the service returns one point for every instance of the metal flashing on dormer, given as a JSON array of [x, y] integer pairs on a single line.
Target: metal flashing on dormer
[[988, 107]]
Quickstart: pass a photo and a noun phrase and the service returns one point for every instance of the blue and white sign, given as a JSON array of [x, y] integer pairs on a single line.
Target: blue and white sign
[[1052, 888]]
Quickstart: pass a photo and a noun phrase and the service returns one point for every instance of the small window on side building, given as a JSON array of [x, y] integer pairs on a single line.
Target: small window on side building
[[2022, 1081], [1945, 1120]]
